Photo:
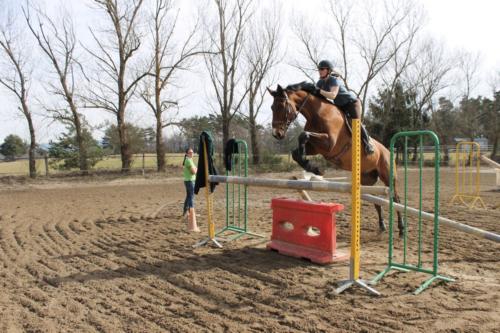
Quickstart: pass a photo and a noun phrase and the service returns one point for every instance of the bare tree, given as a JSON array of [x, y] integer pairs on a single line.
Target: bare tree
[[312, 47], [261, 56], [15, 74], [468, 68], [407, 53], [366, 36], [113, 84], [381, 41], [226, 36], [168, 59], [58, 43], [426, 76], [468, 79]]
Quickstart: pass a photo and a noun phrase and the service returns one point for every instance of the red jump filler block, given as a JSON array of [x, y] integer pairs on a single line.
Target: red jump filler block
[[305, 229]]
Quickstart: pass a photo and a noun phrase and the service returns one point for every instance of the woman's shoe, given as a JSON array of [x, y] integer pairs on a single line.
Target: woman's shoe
[[192, 225]]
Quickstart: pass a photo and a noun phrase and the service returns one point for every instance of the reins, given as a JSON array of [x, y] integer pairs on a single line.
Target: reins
[[289, 108]]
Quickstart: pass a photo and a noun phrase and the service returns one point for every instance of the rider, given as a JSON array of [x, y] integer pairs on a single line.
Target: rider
[[332, 89]]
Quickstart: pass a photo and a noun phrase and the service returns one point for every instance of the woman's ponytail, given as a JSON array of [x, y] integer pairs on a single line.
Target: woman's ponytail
[[185, 155]]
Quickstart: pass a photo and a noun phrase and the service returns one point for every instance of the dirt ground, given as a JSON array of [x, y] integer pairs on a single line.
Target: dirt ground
[[112, 255]]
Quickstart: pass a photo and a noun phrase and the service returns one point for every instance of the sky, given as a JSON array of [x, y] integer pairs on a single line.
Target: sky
[[472, 25], [458, 24]]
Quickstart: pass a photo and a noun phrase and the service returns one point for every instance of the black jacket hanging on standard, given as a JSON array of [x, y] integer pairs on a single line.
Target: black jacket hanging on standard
[[230, 149], [200, 174]]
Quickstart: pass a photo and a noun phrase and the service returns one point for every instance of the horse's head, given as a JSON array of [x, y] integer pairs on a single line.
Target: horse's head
[[284, 111]]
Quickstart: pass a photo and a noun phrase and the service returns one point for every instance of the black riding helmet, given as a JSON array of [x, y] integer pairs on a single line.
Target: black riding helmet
[[325, 64]]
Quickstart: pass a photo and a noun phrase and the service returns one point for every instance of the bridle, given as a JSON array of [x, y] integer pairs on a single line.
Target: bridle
[[288, 109]]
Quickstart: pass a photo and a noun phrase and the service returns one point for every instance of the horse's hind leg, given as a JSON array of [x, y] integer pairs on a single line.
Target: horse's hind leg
[[401, 226], [384, 177], [299, 154], [381, 223], [370, 179]]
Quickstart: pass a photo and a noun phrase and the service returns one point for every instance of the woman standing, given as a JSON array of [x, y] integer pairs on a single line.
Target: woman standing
[[189, 173]]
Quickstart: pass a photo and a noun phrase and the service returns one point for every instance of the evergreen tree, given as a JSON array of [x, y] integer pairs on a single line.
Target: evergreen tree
[[66, 149], [390, 112], [136, 138], [13, 146], [489, 120], [444, 124], [468, 118], [191, 129]]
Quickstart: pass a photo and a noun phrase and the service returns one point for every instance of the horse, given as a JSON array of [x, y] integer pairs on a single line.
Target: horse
[[326, 133]]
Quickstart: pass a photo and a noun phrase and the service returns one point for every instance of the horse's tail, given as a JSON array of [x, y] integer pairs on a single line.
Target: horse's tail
[[394, 178]]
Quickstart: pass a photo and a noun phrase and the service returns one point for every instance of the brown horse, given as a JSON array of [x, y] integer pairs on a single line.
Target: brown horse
[[326, 133]]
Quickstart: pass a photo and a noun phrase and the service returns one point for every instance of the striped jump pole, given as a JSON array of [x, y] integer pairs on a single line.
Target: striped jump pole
[[354, 279]]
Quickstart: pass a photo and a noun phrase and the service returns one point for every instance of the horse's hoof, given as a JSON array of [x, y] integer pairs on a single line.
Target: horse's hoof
[[317, 171], [382, 227], [401, 233]]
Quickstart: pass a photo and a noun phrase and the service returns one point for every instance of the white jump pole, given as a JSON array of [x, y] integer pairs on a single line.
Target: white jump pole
[[494, 165], [428, 216], [311, 185]]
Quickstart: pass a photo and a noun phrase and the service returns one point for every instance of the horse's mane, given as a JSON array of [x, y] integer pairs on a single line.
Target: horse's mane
[[304, 85], [307, 87]]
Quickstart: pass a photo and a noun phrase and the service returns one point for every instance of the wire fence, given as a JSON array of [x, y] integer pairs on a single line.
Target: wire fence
[[143, 163]]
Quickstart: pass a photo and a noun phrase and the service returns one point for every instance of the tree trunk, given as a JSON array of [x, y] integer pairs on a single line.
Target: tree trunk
[[124, 145], [160, 149], [82, 149], [254, 142], [32, 148], [225, 129], [495, 147]]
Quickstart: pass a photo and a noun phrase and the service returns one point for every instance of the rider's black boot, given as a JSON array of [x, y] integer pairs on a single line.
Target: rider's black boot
[[366, 141]]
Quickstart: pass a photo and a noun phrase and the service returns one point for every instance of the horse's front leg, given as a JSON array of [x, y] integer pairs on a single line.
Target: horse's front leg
[[310, 143]]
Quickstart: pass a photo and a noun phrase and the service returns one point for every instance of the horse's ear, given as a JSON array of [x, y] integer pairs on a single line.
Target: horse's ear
[[272, 92], [280, 89]]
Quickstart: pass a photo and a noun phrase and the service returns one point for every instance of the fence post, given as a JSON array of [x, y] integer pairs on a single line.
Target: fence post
[[46, 159], [143, 164]]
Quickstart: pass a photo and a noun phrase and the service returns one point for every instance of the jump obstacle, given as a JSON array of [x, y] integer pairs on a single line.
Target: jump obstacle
[[309, 185], [354, 279], [355, 188], [467, 175], [236, 194], [403, 262]]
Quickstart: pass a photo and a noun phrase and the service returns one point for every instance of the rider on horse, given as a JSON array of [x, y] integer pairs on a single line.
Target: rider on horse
[[331, 88]]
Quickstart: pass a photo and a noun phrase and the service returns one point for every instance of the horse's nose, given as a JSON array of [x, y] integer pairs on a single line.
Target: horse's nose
[[278, 134]]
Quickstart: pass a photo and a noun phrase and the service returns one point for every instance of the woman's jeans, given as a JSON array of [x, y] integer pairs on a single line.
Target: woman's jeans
[[189, 202]]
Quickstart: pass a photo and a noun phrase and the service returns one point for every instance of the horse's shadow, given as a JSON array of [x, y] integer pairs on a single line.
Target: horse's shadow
[[245, 262]]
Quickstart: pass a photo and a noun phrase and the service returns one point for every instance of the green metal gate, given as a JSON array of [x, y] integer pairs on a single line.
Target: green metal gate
[[237, 195], [404, 252]]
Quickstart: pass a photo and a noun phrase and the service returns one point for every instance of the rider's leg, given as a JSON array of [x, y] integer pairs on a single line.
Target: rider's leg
[[354, 111]]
